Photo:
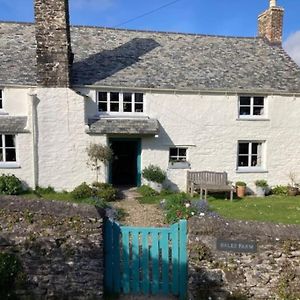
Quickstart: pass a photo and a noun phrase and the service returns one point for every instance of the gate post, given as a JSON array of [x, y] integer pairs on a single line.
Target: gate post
[[183, 267]]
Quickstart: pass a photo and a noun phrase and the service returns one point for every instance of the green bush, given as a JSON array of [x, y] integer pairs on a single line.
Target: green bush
[[82, 191], [43, 190], [261, 183], [280, 190], [166, 192], [177, 207], [154, 173], [10, 185], [104, 191], [10, 267], [240, 183], [147, 191]]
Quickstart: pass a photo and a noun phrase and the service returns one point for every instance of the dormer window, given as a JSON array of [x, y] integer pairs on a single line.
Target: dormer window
[[117, 102], [251, 107]]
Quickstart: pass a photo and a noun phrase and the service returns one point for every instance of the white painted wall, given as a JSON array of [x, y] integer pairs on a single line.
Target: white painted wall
[[207, 124]]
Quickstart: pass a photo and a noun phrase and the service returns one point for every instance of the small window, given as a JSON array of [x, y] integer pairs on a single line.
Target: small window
[[1, 99], [251, 106], [250, 155], [120, 102], [7, 148], [177, 154]]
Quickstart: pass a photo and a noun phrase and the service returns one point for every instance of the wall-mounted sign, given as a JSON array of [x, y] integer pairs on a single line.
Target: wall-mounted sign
[[236, 246]]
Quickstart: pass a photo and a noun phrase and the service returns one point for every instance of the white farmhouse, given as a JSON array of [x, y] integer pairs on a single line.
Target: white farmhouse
[[180, 101]]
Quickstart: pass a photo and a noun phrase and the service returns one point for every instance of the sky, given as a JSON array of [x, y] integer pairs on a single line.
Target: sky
[[216, 17]]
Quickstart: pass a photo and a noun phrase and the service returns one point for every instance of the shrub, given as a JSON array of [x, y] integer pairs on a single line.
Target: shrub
[[10, 267], [240, 183], [82, 191], [104, 191], [147, 191], [261, 183], [43, 190], [154, 173], [280, 190], [166, 192], [10, 185]]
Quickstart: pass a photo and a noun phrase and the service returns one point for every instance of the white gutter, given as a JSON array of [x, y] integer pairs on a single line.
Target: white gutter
[[33, 110]]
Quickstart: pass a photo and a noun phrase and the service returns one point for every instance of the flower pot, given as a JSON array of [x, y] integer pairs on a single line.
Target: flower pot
[[155, 185], [260, 191], [240, 191], [292, 191]]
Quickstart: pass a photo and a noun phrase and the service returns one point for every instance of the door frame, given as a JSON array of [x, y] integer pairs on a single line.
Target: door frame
[[139, 158]]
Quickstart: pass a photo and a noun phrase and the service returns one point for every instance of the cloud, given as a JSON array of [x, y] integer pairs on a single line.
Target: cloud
[[292, 46], [93, 4]]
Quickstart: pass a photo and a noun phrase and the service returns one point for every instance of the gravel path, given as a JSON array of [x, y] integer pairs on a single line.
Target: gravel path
[[143, 215]]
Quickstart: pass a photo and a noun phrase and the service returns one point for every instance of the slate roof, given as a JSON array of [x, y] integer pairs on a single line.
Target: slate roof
[[143, 126], [124, 58], [10, 124]]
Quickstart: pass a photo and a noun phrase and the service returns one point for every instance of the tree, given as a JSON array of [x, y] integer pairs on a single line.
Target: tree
[[97, 155]]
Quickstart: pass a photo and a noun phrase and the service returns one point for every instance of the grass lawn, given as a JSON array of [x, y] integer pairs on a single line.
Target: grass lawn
[[276, 209]]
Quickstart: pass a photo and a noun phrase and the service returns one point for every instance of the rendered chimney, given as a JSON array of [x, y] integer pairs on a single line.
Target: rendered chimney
[[54, 55], [270, 23]]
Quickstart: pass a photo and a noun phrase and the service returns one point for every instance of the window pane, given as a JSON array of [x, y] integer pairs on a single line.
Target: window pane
[[0, 140], [138, 107], [1, 99], [114, 97], [245, 100], [139, 97], [1, 154], [102, 106], [9, 141], [127, 107], [254, 162], [127, 97], [254, 148], [102, 96], [259, 101], [245, 111], [243, 161], [243, 148], [258, 111], [182, 152], [173, 152], [114, 106], [10, 155]]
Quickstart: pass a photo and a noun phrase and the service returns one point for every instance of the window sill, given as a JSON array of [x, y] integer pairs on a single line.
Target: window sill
[[3, 113], [121, 114], [251, 170], [179, 165], [10, 165], [252, 119]]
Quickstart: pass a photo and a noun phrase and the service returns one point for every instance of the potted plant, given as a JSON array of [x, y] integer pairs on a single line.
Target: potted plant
[[240, 189], [261, 187], [155, 177], [292, 187]]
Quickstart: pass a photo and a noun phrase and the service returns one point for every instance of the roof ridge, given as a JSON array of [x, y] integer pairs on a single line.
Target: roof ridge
[[144, 30]]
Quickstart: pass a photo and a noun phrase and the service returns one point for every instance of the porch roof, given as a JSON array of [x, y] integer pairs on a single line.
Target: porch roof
[[139, 126], [9, 124]]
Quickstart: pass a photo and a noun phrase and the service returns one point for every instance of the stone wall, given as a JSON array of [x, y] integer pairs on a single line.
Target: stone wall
[[59, 245], [271, 273]]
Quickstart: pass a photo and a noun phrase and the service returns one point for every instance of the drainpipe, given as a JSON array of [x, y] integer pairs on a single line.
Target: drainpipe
[[33, 109]]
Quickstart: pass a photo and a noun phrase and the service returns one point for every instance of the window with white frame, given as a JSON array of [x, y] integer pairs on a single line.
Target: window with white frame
[[178, 154], [251, 106], [1, 99], [7, 148], [250, 154], [120, 102]]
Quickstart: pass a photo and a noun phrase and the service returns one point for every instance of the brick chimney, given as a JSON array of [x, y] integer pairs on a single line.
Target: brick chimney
[[54, 54], [270, 23]]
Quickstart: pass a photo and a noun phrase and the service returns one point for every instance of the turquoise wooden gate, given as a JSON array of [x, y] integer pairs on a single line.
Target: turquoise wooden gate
[[146, 261]]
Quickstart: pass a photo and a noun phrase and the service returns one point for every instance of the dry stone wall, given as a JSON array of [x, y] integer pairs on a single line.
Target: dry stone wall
[[273, 272], [59, 245]]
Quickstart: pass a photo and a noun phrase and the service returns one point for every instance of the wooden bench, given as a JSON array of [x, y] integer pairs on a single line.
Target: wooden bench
[[208, 181]]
